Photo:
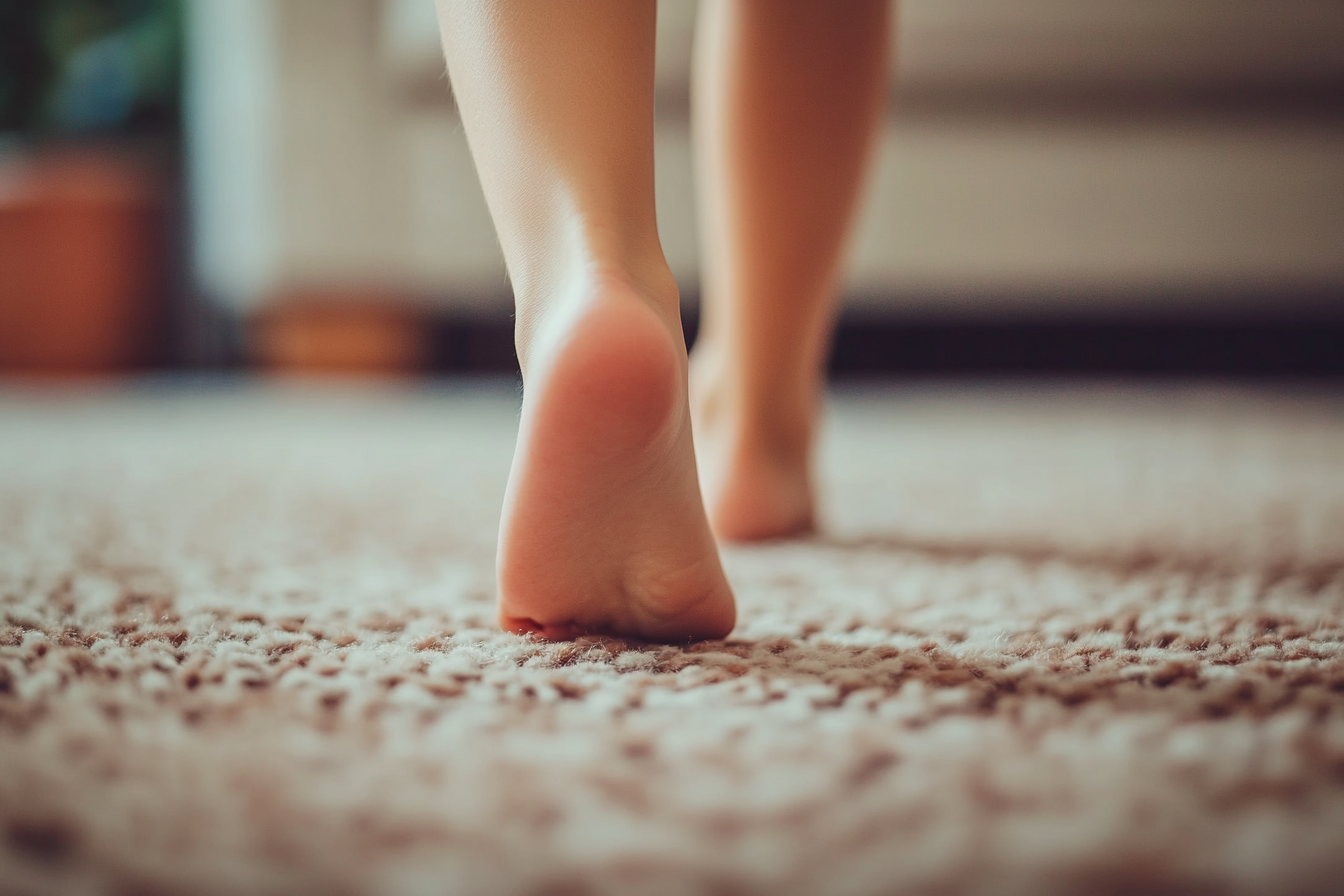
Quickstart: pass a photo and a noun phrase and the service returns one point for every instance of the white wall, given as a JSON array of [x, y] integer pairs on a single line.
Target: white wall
[[233, 147], [326, 153]]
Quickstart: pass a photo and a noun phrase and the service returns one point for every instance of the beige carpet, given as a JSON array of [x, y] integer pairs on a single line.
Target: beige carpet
[[1054, 641]]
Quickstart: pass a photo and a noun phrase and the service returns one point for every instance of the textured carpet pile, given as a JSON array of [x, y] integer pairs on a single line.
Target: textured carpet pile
[[1082, 640]]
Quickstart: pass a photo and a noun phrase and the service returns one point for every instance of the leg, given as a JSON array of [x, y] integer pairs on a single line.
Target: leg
[[788, 96], [603, 529]]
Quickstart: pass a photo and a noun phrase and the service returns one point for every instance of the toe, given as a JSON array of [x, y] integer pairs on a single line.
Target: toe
[[551, 631]]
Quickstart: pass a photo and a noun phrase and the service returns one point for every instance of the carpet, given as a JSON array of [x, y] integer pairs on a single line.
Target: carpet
[[1083, 639]]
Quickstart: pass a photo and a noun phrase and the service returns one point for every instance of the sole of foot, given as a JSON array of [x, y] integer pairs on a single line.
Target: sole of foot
[[755, 473], [604, 530]]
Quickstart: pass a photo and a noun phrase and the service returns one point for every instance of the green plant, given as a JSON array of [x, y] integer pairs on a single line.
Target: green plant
[[80, 66]]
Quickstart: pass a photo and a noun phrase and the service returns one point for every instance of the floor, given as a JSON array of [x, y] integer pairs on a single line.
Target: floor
[[1054, 639]]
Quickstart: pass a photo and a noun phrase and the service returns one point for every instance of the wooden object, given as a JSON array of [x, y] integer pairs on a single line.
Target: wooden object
[[340, 333]]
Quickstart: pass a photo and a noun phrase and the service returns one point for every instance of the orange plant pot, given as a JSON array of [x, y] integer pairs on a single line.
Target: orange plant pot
[[81, 254]]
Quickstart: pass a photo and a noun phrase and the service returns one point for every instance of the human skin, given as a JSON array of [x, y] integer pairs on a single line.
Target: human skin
[[604, 527], [788, 96]]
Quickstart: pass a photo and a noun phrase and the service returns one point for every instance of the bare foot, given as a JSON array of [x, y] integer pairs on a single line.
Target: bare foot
[[755, 467], [604, 530]]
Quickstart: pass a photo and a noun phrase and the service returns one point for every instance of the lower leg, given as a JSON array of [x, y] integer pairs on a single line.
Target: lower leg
[[603, 528], [788, 95]]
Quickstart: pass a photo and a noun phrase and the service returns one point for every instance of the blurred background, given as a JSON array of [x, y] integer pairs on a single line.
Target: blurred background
[[1062, 186]]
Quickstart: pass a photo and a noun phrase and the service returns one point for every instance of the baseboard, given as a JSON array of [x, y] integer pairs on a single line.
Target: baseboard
[[889, 347], [1283, 348]]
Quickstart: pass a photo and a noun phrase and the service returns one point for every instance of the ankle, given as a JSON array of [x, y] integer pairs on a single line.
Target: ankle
[[778, 422], [546, 307], [754, 447]]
